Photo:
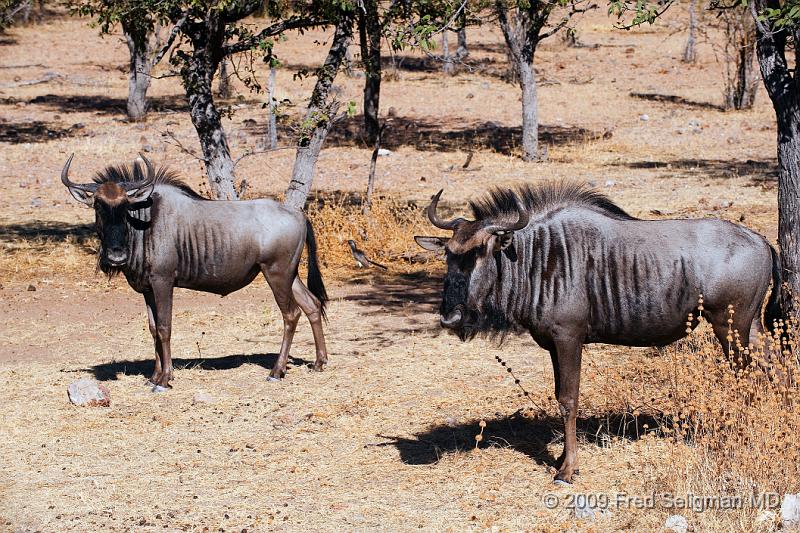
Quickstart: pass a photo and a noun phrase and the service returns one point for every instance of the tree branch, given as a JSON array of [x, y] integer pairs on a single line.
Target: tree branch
[[771, 49], [173, 33], [565, 20], [248, 43]]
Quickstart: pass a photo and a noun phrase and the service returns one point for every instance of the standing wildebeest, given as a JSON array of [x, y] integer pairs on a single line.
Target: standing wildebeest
[[565, 264], [161, 234]]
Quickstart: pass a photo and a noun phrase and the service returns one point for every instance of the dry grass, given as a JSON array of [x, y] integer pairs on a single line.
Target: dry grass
[[385, 233]]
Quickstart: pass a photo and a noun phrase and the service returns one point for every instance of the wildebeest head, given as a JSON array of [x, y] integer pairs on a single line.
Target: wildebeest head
[[473, 266], [111, 201]]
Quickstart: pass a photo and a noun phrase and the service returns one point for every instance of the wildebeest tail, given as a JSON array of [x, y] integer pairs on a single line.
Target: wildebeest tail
[[772, 312], [315, 284]]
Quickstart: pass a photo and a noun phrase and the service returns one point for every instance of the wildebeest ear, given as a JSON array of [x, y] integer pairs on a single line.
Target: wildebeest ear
[[82, 195], [141, 194], [434, 244]]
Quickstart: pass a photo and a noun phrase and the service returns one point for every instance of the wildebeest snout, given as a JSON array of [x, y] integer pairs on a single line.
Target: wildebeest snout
[[454, 318]]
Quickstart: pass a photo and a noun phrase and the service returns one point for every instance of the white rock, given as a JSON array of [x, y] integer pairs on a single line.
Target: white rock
[[644, 118], [790, 511], [583, 510], [88, 393], [765, 517], [676, 523], [610, 183], [202, 397], [384, 152]]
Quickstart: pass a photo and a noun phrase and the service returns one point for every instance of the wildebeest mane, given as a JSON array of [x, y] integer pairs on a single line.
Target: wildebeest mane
[[544, 197], [136, 172]]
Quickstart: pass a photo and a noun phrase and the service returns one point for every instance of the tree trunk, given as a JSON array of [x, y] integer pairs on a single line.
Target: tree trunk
[[224, 84], [369, 33], [139, 69], [783, 89], [789, 198], [740, 51], [272, 124], [530, 111], [447, 65], [690, 50], [320, 116], [461, 50], [197, 78]]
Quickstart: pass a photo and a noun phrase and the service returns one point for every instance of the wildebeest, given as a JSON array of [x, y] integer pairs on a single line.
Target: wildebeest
[[564, 263], [161, 234]]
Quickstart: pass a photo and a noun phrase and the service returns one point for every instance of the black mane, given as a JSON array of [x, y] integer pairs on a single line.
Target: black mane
[[136, 172], [539, 198]]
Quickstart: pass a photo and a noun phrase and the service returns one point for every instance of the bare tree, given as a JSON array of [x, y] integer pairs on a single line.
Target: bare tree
[[144, 42], [523, 24], [224, 84], [690, 50], [741, 76], [369, 36], [272, 124]]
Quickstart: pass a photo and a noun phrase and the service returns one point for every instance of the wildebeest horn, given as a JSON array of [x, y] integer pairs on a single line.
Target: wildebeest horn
[[521, 222], [91, 187], [148, 179], [435, 220]]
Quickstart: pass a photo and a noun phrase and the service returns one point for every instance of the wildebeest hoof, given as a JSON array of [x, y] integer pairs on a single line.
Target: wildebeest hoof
[[273, 379], [159, 388], [318, 368]]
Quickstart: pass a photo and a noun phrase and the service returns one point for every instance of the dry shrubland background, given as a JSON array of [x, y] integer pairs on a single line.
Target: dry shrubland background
[[384, 439]]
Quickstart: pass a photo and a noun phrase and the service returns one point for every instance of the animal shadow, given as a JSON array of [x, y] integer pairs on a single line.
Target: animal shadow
[[530, 436], [144, 367]]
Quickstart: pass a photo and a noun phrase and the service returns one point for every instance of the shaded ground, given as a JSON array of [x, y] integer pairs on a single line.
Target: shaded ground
[[35, 132]]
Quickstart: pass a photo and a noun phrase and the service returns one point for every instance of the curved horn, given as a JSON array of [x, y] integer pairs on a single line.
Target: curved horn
[[435, 220], [148, 179], [65, 176], [522, 220]]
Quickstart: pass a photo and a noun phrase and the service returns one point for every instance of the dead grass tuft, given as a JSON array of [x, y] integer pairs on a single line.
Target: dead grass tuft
[[385, 233]]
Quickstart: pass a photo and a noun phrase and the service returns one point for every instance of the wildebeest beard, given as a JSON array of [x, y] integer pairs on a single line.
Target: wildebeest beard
[[489, 321]]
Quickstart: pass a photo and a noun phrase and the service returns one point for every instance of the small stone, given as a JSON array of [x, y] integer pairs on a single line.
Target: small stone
[[392, 112], [790, 511], [610, 183], [470, 96], [583, 511], [36, 202], [202, 397], [88, 393], [31, 288], [451, 422], [147, 148], [644, 118], [765, 517], [676, 523], [384, 152]]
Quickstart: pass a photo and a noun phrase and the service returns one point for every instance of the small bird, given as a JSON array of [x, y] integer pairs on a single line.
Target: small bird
[[361, 258]]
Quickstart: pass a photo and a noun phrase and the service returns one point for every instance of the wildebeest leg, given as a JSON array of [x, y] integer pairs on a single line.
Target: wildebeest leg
[[569, 369], [557, 384], [150, 302], [162, 293], [313, 310], [281, 286]]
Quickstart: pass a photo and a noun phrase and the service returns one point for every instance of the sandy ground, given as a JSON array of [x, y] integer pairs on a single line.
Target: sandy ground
[[384, 438]]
